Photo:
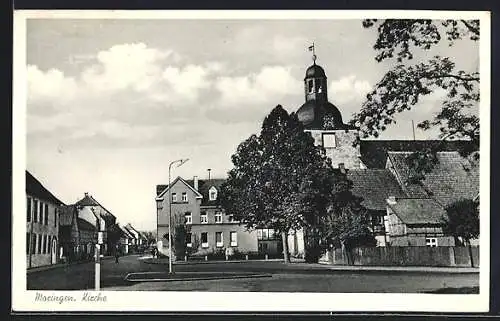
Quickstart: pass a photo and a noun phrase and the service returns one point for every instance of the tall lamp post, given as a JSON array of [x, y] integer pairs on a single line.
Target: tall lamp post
[[159, 207], [179, 163]]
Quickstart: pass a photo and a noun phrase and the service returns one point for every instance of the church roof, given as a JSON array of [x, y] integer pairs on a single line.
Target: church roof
[[315, 71], [317, 114]]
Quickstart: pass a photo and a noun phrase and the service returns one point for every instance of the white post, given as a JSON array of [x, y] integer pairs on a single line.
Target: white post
[[97, 268], [266, 257]]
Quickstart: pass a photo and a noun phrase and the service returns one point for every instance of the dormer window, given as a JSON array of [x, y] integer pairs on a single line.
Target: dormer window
[[212, 194]]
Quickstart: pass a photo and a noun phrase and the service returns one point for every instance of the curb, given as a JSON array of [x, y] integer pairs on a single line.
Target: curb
[[201, 278], [212, 262], [404, 269]]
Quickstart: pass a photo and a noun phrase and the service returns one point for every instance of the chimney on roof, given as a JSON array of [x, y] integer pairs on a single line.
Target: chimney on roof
[[86, 194], [342, 168], [195, 182], [391, 200], [209, 173]]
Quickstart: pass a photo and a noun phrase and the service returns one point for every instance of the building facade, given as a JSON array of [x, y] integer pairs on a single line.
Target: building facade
[[42, 224], [195, 204]]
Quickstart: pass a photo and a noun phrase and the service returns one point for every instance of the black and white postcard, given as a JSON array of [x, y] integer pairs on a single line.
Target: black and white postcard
[[251, 161]]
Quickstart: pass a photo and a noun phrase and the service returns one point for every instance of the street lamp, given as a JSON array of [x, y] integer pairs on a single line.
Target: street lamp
[[179, 163]]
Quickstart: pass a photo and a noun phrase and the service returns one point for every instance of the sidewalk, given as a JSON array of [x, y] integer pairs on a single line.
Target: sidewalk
[[432, 269], [59, 265], [299, 263]]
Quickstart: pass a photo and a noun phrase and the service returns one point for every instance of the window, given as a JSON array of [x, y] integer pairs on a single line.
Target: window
[[230, 218], [27, 243], [40, 213], [218, 217], [204, 240], [184, 197], [329, 141], [28, 209], [310, 86], [189, 240], [39, 251], [266, 234], [49, 239], [212, 193], [45, 244], [203, 218], [33, 243], [233, 238], [188, 218], [55, 217], [318, 86], [46, 212], [174, 197], [35, 211], [431, 242], [218, 239]]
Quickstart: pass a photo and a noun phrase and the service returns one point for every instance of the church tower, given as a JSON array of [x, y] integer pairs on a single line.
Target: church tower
[[324, 121]]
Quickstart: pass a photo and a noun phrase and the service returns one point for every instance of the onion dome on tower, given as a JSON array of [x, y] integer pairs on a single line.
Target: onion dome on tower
[[317, 112]]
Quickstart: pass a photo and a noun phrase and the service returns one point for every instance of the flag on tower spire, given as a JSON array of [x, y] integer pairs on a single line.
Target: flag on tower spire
[[311, 48]]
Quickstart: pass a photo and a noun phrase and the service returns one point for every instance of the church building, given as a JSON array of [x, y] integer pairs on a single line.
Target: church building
[[399, 208]]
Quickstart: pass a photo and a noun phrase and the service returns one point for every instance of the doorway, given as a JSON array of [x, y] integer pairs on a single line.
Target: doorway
[[53, 252]]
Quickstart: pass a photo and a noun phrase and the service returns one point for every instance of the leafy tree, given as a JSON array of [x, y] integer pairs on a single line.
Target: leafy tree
[[462, 221], [402, 87], [347, 222], [280, 180]]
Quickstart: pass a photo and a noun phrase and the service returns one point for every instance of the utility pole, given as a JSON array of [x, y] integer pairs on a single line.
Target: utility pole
[[413, 128], [100, 240], [180, 163]]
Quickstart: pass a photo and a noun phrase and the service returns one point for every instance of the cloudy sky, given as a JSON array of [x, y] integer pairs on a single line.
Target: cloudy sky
[[111, 102]]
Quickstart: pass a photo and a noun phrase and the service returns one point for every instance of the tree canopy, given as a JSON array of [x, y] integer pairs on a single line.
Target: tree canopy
[[462, 219], [281, 180], [403, 87]]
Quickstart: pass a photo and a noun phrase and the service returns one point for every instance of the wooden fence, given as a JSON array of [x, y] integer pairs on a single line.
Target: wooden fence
[[406, 256]]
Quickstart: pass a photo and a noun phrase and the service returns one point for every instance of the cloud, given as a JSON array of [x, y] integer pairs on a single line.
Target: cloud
[[134, 94], [269, 84], [125, 66], [349, 88], [49, 85], [127, 93]]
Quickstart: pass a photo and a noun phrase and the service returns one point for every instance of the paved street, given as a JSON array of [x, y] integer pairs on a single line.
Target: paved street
[[285, 278], [81, 276]]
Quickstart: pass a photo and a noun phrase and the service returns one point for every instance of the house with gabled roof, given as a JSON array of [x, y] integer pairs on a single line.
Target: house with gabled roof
[[416, 222], [374, 186], [77, 235], [138, 238], [91, 211], [196, 203], [127, 240], [42, 224]]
